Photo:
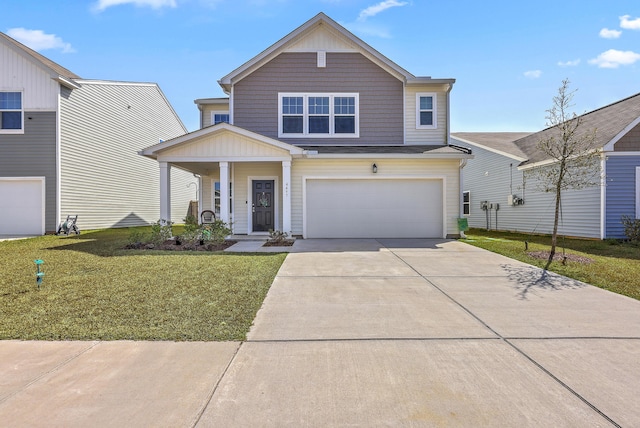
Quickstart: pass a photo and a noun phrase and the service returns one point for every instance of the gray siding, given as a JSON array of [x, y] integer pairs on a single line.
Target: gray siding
[[621, 192], [33, 154], [381, 95], [103, 178], [492, 177]]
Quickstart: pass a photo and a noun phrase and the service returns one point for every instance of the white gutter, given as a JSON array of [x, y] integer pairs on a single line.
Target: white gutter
[[448, 130]]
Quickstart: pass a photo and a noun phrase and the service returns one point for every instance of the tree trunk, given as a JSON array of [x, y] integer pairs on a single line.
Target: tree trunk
[[554, 235]]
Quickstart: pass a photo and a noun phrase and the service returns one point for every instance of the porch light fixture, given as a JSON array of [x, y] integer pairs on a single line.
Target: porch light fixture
[[374, 168]]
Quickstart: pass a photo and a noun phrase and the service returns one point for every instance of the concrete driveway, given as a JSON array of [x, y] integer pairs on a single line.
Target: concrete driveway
[[362, 333]]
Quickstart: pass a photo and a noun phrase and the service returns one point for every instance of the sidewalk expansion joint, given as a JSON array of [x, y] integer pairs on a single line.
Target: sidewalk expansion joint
[[373, 339], [48, 372], [215, 388]]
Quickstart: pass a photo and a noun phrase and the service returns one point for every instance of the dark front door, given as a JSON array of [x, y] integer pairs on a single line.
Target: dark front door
[[263, 200]]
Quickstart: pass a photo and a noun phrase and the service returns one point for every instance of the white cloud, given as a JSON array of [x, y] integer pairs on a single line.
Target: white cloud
[[532, 74], [365, 28], [605, 33], [380, 7], [569, 63], [38, 40], [614, 58], [629, 24], [154, 4]]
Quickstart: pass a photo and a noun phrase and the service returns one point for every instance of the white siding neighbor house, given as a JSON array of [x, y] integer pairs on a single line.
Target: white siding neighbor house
[[68, 146], [500, 192], [323, 137]]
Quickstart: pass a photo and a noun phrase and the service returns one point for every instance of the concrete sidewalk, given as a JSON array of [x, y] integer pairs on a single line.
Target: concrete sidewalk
[[361, 333]]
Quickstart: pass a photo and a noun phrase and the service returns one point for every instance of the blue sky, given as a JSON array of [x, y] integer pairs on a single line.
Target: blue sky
[[508, 57]]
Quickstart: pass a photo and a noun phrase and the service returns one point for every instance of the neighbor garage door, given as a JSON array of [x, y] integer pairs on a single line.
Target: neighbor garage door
[[373, 208], [21, 206]]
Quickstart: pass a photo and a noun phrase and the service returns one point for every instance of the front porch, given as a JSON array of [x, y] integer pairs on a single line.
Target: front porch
[[252, 197], [244, 177]]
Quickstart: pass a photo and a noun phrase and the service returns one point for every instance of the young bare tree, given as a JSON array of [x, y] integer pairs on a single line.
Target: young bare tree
[[574, 155]]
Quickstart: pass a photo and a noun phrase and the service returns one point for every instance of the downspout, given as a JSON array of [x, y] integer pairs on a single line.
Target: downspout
[[463, 163], [448, 125], [58, 211], [603, 196]]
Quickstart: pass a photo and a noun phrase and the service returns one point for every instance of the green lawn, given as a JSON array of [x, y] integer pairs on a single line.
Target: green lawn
[[95, 290], [615, 266]]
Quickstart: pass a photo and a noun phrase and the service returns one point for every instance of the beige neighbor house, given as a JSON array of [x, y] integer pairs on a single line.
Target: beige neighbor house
[[68, 146], [326, 138]]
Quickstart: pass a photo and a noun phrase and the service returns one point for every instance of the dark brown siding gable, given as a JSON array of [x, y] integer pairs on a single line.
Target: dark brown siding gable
[[381, 95], [630, 142]]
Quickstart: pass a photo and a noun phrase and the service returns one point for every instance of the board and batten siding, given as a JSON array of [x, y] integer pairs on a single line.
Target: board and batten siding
[[405, 168], [255, 98], [33, 154], [103, 179], [17, 73], [621, 192], [493, 177], [426, 136]]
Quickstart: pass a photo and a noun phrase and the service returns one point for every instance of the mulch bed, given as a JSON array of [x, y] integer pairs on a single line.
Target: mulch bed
[[171, 245], [285, 243], [544, 255]]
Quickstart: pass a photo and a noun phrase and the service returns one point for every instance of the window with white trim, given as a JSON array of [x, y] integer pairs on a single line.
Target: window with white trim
[[425, 110], [11, 112], [466, 202], [318, 115], [216, 198], [219, 117]]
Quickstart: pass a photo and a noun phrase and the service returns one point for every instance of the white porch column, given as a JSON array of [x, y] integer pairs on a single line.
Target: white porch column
[[165, 191], [224, 191], [286, 197]]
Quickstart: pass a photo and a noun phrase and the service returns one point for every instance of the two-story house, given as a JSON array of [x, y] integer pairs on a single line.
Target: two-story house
[[323, 137], [68, 146]]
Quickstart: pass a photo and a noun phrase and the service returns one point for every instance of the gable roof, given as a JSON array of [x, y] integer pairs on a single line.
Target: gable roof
[[497, 142], [58, 72], [295, 37], [610, 123], [155, 150]]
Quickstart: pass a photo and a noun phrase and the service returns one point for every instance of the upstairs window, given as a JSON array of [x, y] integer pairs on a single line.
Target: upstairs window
[[219, 117], [425, 111], [318, 115], [11, 114]]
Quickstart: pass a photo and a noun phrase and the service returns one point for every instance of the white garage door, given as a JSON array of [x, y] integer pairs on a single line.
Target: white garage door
[[22, 206], [374, 208]]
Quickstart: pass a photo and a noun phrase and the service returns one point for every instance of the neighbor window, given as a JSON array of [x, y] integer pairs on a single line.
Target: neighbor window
[[466, 203], [318, 115], [219, 117], [425, 110], [11, 114]]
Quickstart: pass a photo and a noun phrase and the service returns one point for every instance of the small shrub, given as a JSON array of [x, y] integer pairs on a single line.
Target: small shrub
[[215, 232], [137, 236], [190, 223], [161, 231], [277, 236], [631, 228]]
